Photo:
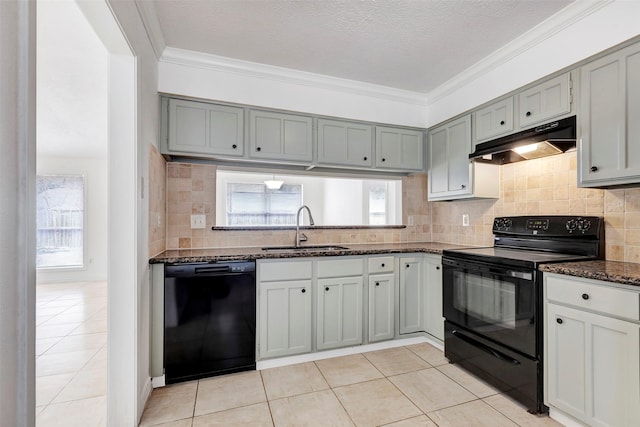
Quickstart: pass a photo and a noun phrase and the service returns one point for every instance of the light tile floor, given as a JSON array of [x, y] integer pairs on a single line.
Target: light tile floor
[[71, 354], [405, 386]]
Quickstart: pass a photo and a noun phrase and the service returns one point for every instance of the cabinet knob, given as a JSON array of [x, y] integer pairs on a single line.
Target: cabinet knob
[[528, 113], [585, 296], [501, 122], [365, 159], [326, 289], [384, 160], [304, 290], [594, 169], [377, 283], [559, 321], [258, 148], [382, 265], [437, 267], [234, 146], [408, 266]]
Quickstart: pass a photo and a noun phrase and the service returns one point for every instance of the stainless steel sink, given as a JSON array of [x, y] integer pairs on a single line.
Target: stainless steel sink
[[304, 248]]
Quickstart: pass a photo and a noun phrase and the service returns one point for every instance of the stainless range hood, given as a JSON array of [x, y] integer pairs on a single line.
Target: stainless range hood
[[545, 140]]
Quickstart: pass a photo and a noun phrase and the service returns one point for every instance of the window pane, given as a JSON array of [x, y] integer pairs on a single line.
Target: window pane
[[59, 221], [255, 204]]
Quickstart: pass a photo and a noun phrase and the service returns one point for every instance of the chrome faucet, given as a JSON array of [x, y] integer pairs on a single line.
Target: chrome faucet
[[302, 237]]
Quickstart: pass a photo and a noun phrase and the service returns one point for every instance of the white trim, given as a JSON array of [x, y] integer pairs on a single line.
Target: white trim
[[223, 64], [147, 388], [158, 381], [311, 357], [564, 419], [567, 17], [149, 17]]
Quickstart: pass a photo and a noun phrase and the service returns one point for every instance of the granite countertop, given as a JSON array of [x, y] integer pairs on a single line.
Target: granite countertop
[[253, 253], [626, 273]]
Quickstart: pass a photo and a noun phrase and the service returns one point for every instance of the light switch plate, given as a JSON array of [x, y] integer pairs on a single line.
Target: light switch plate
[[198, 221], [465, 220]]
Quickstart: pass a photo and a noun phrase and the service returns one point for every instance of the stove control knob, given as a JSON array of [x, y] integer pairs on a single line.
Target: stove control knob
[[571, 225], [584, 225], [508, 223], [498, 222]]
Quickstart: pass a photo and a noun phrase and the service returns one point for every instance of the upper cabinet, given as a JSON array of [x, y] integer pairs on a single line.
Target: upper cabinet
[[609, 135], [345, 143], [277, 136], [451, 174], [205, 129], [399, 149], [544, 101], [494, 120]]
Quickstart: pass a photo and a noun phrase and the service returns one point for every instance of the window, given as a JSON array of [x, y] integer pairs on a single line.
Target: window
[[255, 204], [59, 221], [243, 199]]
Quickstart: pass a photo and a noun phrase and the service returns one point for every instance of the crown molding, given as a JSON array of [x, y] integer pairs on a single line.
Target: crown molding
[[565, 18], [223, 64], [149, 17]]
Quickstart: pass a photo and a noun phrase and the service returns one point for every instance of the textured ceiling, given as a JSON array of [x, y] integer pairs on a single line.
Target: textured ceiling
[[412, 45]]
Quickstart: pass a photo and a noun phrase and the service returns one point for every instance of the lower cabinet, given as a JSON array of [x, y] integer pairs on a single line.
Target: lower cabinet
[[411, 294], [285, 318], [592, 368], [433, 320], [339, 312], [381, 307]]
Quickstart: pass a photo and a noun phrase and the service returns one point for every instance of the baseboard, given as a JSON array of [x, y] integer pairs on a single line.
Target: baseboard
[[564, 419], [158, 382], [144, 397], [327, 354]]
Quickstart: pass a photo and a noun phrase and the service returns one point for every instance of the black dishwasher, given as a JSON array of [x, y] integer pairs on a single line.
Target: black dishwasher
[[209, 319]]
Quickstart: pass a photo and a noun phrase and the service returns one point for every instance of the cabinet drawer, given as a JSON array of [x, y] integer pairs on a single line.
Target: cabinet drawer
[[340, 267], [381, 264], [601, 298], [285, 270]]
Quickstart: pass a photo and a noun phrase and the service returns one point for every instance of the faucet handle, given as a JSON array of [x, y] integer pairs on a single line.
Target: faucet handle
[[303, 237]]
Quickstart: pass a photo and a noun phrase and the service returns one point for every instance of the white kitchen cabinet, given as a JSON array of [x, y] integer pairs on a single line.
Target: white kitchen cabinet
[[339, 312], [399, 149], [285, 291], [345, 143], [381, 307], [494, 120], [411, 294], [285, 318], [450, 174], [433, 319], [609, 132], [592, 351], [545, 101], [204, 129], [282, 137]]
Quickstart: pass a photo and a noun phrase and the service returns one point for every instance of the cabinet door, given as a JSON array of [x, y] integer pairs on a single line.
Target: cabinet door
[[411, 297], [278, 136], [201, 128], [381, 304], [544, 101], [285, 318], [593, 366], [399, 149], [433, 320], [344, 143], [494, 120], [609, 137], [339, 312], [449, 167]]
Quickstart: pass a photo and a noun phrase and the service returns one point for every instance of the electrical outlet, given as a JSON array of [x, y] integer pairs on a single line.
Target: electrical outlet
[[410, 220], [465, 220], [198, 221]]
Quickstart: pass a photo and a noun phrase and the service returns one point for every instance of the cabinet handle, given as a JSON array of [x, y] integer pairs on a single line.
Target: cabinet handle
[[585, 296], [365, 159], [594, 169], [408, 266], [382, 265], [559, 321], [437, 267], [326, 289], [304, 290], [501, 122], [258, 148], [528, 113], [234, 146], [384, 160], [377, 283]]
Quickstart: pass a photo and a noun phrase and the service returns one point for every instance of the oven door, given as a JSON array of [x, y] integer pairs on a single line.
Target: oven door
[[493, 300]]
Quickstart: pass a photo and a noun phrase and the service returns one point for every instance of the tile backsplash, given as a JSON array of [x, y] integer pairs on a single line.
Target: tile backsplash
[[157, 202], [542, 186]]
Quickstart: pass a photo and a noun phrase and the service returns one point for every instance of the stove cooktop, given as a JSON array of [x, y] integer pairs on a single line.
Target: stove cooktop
[[524, 257]]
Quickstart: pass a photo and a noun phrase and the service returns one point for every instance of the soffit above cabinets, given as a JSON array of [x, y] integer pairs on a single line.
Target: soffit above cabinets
[[408, 45]]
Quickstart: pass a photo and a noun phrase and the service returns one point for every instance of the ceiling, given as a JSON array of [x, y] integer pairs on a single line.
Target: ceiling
[[414, 45]]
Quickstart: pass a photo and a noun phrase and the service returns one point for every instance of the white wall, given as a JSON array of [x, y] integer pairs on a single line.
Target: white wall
[[607, 26], [94, 171]]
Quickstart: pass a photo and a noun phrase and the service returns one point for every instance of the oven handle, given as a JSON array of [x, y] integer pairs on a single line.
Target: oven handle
[[495, 353], [518, 274]]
